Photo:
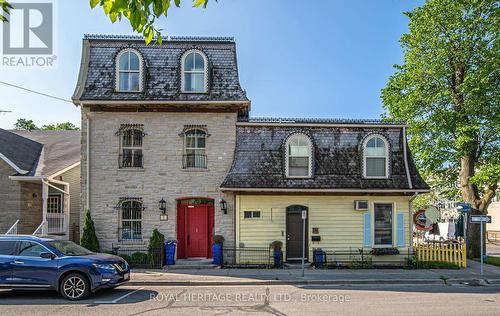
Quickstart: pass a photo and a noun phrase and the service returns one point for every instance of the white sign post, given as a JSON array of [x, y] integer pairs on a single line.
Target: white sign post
[[481, 219], [304, 217]]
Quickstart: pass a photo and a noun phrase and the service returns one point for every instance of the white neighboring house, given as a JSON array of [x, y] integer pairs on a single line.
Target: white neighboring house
[[40, 183]]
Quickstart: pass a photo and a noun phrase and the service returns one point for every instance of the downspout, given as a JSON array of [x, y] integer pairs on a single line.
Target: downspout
[[87, 177], [410, 217], [405, 156]]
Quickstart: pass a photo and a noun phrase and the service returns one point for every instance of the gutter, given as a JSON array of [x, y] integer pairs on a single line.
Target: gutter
[[299, 190], [275, 124], [150, 102], [405, 158]]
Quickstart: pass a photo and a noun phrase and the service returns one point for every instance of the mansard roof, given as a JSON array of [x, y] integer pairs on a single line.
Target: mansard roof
[[337, 158], [161, 76]]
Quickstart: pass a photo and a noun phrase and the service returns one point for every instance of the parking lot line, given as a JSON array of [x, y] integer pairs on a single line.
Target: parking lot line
[[118, 299]]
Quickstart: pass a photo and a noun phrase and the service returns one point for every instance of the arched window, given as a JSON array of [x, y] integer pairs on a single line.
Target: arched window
[[131, 220], [298, 156], [194, 72], [131, 148], [194, 149], [376, 157], [128, 71]]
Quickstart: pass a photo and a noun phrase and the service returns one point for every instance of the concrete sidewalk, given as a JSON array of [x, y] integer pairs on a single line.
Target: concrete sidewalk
[[293, 276]]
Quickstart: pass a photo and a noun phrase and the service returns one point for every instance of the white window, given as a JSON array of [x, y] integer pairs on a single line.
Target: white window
[[298, 156], [251, 214], [194, 72], [383, 224], [128, 71], [376, 157], [194, 149], [131, 148], [131, 220]]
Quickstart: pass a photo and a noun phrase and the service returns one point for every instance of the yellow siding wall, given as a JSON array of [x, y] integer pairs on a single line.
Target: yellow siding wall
[[340, 225]]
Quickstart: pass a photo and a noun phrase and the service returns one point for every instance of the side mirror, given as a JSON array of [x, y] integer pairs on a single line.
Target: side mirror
[[47, 255]]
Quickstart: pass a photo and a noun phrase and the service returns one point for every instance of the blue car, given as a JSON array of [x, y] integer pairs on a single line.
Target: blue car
[[31, 262]]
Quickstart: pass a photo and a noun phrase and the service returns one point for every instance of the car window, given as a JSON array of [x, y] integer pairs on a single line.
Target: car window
[[7, 247], [31, 249]]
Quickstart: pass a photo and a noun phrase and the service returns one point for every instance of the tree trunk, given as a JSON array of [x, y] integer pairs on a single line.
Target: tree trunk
[[474, 237]]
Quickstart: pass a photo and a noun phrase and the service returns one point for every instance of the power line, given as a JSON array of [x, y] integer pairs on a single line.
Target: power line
[[35, 92]]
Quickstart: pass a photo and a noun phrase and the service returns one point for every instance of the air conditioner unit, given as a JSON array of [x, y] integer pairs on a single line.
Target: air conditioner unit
[[360, 205]]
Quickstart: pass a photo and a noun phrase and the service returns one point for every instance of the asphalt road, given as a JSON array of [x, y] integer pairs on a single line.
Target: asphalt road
[[263, 300]]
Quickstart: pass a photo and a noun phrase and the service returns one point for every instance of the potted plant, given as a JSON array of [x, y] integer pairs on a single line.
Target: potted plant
[[277, 253], [217, 249]]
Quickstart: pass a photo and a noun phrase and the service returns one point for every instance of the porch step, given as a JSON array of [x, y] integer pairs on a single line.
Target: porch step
[[192, 264]]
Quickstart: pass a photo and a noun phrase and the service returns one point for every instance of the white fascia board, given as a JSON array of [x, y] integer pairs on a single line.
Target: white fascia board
[[13, 165]]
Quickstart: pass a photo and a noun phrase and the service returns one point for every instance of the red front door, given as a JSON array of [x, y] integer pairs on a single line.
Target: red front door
[[197, 232], [194, 230]]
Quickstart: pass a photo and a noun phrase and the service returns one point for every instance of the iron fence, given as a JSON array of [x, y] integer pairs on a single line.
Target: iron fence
[[249, 257], [361, 258], [141, 257], [131, 161]]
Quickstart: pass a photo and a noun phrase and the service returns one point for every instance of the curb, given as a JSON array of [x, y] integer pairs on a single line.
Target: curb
[[289, 282]]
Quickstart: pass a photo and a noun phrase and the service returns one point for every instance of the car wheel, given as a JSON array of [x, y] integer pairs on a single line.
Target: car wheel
[[74, 287]]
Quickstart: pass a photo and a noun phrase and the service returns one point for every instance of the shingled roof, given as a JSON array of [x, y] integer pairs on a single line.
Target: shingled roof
[[19, 152], [161, 69], [259, 159]]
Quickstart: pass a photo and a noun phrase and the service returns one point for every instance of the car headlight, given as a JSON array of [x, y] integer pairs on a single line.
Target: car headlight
[[104, 266]]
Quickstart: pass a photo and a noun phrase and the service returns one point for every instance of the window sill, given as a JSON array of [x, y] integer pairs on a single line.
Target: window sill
[[134, 169], [383, 246], [194, 92], [131, 242], [376, 178], [195, 169], [120, 91]]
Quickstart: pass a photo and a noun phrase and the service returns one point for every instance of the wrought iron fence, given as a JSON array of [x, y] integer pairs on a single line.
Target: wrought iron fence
[[248, 257], [361, 258], [131, 161], [141, 257], [194, 161]]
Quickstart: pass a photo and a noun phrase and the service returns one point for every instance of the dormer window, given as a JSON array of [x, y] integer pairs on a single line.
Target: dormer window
[[128, 71], [194, 72], [376, 157], [298, 156]]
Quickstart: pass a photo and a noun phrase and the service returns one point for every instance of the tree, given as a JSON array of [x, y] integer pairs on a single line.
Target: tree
[[155, 247], [24, 124], [89, 238], [141, 14], [67, 126], [5, 8], [447, 90]]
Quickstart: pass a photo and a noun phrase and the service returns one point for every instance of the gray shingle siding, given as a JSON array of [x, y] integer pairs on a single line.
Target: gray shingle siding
[[337, 156], [161, 77]]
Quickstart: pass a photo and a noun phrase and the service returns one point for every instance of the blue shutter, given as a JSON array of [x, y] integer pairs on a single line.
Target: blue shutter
[[367, 224], [400, 229]]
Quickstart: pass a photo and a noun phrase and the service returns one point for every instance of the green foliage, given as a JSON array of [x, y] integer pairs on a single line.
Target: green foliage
[[89, 237], [138, 258], [24, 124], [155, 247], [447, 91], [490, 260], [4, 10], [141, 14], [125, 257]]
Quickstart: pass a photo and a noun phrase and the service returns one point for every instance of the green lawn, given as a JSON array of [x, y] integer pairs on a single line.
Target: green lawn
[[490, 260]]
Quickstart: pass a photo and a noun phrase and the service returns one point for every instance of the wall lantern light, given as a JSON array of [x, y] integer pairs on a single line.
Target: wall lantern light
[[223, 205], [163, 206]]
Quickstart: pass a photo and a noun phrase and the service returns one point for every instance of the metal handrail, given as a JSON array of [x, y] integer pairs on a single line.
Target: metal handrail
[[42, 224], [13, 229]]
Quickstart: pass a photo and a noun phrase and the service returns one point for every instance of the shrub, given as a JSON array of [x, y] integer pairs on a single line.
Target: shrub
[[218, 239], [125, 257], [384, 251], [276, 245], [155, 247], [436, 265], [89, 238], [138, 258]]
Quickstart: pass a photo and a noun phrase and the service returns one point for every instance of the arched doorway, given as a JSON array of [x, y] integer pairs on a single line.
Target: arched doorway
[[195, 227], [294, 233]]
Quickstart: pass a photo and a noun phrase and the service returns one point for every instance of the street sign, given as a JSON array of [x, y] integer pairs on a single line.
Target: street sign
[[464, 207], [304, 214], [475, 219]]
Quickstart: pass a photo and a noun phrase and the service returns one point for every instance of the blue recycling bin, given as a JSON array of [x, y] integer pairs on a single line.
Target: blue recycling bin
[[319, 258], [278, 258], [170, 252], [217, 254]]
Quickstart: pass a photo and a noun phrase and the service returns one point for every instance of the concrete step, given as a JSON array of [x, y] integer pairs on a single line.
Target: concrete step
[[192, 264]]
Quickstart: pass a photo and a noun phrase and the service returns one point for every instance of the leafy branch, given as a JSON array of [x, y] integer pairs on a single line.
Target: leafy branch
[[6, 7]]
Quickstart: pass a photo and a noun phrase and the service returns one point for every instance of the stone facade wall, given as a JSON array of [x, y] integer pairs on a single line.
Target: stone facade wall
[[162, 175], [10, 194]]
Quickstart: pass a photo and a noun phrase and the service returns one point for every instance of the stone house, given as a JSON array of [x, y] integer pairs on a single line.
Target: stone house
[[167, 143], [40, 183]]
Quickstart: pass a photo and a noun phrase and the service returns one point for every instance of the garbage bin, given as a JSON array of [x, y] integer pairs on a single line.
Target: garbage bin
[[217, 254], [170, 252], [319, 258]]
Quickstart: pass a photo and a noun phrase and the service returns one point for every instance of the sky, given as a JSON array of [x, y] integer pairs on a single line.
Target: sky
[[321, 58]]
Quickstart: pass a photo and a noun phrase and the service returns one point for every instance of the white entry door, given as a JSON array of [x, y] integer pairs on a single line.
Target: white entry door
[[55, 214]]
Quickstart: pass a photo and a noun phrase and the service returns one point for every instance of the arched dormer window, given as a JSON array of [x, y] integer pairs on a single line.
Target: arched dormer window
[[298, 156], [376, 157], [194, 66], [129, 71]]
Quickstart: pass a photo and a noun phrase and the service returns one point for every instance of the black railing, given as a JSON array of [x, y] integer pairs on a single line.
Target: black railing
[[141, 257], [194, 161], [130, 161], [360, 258], [248, 257]]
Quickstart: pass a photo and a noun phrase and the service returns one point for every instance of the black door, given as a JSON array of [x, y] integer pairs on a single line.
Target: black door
[[294, 233]]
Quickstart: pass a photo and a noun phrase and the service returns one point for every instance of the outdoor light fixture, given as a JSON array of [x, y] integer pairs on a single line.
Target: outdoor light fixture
[[223, 205], [163, 206]]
